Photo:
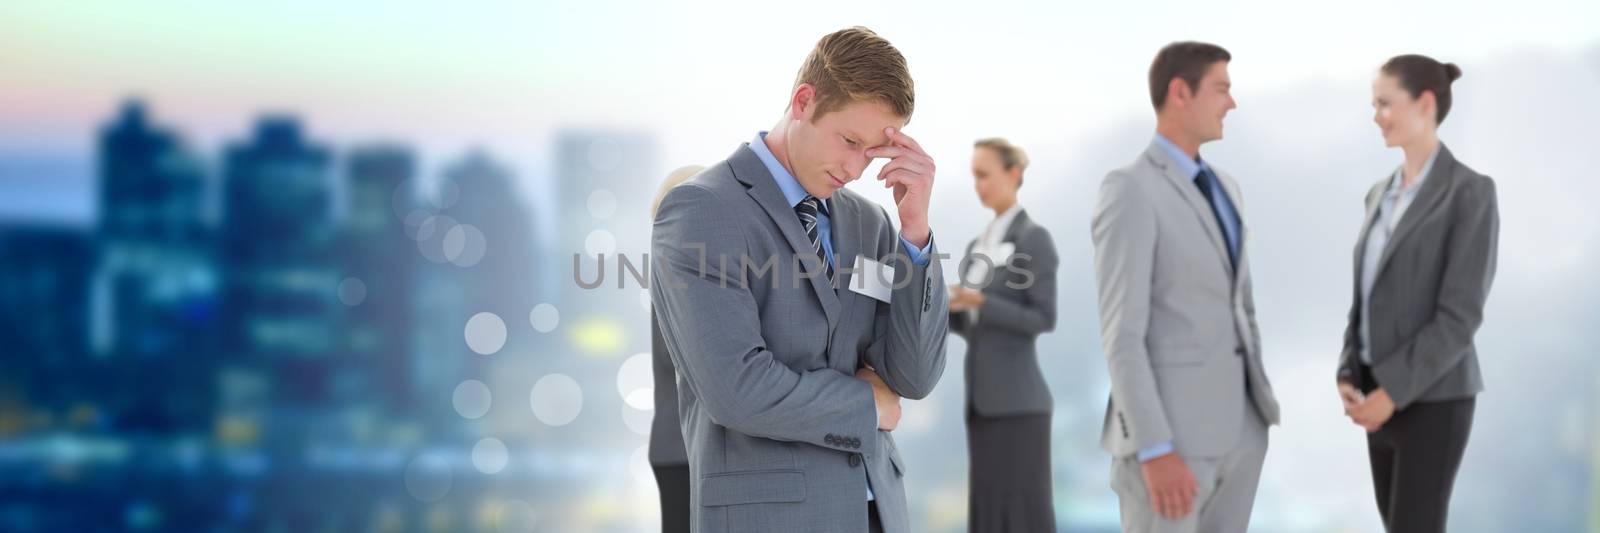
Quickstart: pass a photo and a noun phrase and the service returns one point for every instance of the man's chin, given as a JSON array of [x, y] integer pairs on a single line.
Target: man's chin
[[825, 189], [834, 184]]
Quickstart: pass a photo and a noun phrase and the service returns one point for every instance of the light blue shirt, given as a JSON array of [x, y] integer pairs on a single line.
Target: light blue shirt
[[1230, 229], [1396, 198], [1219, 199], [794, 193]]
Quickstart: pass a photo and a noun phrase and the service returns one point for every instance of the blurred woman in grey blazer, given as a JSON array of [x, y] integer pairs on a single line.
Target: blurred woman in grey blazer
[[1424, 260], [667, 456], [1006, 299]]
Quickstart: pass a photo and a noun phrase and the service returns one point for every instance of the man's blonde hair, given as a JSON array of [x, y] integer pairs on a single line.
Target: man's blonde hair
[[856, 65]]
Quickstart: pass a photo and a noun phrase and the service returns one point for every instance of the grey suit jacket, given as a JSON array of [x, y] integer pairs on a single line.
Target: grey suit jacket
[[1002, 367], [1433, 279], [781, 435], [666, 439], [1177, 323]]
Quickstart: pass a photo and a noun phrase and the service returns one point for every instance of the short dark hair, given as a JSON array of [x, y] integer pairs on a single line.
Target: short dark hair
[[1418, 73], [1186, 60]]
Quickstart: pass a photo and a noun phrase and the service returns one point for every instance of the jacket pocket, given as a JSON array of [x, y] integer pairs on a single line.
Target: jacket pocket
[[894, 456], [760, 486]]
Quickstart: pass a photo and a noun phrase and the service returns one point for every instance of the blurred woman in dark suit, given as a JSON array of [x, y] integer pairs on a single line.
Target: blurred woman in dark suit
[[1424, 260], [1007, 298]]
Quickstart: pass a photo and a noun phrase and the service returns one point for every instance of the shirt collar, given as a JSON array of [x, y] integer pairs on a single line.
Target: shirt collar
[[1397, 183], [1002, 223], [1190, 167], [792, 191]]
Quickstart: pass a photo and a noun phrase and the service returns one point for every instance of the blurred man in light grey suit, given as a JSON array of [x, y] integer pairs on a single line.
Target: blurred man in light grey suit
[[1190, 403], [792, 346]]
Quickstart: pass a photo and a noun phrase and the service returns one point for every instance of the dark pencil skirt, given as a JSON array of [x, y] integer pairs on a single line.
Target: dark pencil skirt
[[1010, 487], [673, 482]]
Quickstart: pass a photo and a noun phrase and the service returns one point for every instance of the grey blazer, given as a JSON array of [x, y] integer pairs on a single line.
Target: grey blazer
[[1177, 323], [1002, 367], [780, 434], [1433, 278], [666, 439]]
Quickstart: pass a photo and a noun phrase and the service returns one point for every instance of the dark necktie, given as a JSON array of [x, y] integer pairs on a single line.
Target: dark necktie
[[807, 211], [1208, 184]]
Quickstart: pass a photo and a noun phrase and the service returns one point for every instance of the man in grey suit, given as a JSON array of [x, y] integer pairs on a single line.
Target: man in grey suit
[[1190, 403], [667, 456], [788, 383]]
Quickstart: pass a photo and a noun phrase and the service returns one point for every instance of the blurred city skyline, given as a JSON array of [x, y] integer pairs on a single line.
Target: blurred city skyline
[[227, 342]]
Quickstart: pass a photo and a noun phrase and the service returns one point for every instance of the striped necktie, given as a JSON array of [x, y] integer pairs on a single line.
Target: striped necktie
[[807, 211]]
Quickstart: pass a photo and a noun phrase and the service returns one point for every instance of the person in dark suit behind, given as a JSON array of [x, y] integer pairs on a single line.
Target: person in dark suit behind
[[667, 456], [1424, 261], [1007, 298]]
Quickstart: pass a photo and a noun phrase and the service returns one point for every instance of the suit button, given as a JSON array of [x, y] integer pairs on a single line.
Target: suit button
[[855, 443], [830, 439], [855, 460]]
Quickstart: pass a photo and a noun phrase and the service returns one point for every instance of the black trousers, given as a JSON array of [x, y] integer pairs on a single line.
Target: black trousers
[[1415, 456], [874, 524], [673, 483]]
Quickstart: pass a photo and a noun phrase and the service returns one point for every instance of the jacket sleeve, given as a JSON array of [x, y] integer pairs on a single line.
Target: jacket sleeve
[[1124, 232]]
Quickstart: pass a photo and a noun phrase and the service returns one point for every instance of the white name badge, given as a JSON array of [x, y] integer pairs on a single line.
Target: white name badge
[[1002, 253], [872, 279], [979, 270]]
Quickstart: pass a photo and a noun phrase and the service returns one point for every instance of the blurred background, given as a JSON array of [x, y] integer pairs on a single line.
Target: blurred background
[[309, 266]]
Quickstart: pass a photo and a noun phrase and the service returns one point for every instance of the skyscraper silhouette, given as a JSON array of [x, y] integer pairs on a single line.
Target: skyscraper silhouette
[[282, 314], [154, 291]]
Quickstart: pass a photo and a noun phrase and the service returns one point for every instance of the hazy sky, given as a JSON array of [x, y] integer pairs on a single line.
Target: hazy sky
[[702, 73]]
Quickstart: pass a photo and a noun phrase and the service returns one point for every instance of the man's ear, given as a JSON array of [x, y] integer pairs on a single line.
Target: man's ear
[[801, 102], [1178, 92]]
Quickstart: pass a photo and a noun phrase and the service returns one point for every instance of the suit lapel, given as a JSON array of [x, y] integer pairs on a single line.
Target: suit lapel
[[761, 187], [1374, 201], [1016, 226], [1231, 189], [1428, 199], [1191, 195], [848, 238], [1012, 233]]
